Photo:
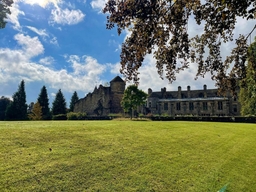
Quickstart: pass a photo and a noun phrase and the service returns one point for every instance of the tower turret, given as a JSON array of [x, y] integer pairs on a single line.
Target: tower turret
[[117, 87]]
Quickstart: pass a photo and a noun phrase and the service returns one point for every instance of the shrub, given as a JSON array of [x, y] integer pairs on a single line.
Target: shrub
[[115, 115], [76, 116], [165, 115], [59, 117], [141, 115]]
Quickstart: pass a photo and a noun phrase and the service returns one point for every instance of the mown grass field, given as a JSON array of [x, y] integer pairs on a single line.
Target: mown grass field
[[127, 156]]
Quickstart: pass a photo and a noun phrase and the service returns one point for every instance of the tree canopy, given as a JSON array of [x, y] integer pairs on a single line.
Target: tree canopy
[[17, 110], [4, 103], [74, 99], [132, 98], [59, 104], [36, 112], [161, 27], [4, 10], [44, 103], [247, 96]]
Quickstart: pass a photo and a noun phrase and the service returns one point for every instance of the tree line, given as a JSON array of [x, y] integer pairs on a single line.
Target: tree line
[[17, 108]]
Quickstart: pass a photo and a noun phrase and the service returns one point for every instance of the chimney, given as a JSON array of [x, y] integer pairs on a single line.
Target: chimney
[[163, 90], [205, 90], [188, 91], [149, 91], [179, 92]]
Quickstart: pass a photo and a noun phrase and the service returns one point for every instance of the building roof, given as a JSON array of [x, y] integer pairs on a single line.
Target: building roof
[[196, 99], [117, 79], [211, 93]]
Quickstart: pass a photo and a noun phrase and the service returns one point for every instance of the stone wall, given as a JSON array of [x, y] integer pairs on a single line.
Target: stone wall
[[103, 100], [205, 102]]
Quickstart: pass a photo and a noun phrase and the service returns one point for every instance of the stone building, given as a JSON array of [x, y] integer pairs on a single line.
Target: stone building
[[103, 100], [205, 102]]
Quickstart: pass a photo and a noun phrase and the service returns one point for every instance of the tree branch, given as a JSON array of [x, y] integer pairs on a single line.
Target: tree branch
[[251, 32]]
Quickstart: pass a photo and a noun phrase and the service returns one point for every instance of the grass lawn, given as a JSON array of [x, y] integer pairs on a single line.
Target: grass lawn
[[127, 156]]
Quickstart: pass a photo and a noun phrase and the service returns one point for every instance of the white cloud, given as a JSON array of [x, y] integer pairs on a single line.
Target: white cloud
[[17, 65], [13, 18], [149, 78], [86, 66], [70, 5], [66, 16], [31, 46], [45, 36], [40, 32], [98, 4], [53, 95], [114, 68], [47, 60], [42, 3], [54, 41]]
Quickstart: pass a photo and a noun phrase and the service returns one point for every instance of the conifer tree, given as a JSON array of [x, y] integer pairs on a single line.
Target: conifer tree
[[74, 99], [59, 104], [44, 103], [17, 110]]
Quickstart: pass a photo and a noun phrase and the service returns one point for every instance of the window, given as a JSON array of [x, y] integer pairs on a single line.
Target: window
[[178, 106], [235, 109], [165, 106], [191, 106], [201, 95], [220, 107], [205, 107], [149, 104]]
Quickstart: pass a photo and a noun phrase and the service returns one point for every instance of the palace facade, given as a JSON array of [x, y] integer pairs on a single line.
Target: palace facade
[[205, 102]]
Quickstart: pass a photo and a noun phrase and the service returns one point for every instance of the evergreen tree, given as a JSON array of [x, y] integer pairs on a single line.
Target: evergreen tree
[[4, 102], [17, 110], [44, 103], [247, 96], [59, 104], [74, 99]]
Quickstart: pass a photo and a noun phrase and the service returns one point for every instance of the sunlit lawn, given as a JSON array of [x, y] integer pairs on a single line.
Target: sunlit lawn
[[127, 156]]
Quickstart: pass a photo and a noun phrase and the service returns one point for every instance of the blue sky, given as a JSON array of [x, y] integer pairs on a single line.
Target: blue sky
[[65, 45]]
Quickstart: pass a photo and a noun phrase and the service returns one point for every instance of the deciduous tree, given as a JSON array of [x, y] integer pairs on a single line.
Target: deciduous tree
[[4, 10], [247, 96], [161, 27], [59, 104], [132, 98], [36, 113], [4, 102], [74, 99]]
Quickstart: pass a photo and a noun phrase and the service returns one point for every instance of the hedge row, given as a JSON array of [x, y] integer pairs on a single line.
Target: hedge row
[[79, 116], [214, 119]]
